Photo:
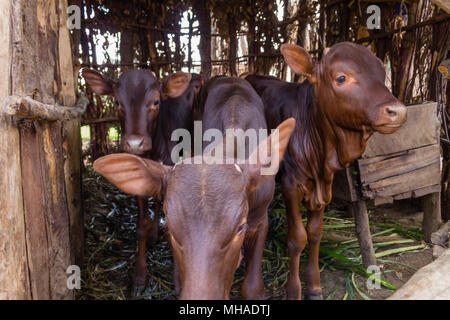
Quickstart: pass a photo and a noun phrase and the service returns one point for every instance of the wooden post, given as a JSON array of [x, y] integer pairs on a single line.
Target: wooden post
[[363, 233], [431, 206], [14, 282], [40, 202], [204, 20]]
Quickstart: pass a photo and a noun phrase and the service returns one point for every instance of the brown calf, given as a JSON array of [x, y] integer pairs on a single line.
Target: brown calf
[[342, 102], [145, 121], [212, 210]]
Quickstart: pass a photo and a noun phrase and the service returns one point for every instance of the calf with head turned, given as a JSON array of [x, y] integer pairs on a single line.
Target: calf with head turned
[[213, 210], [342, 102], [147, 114]]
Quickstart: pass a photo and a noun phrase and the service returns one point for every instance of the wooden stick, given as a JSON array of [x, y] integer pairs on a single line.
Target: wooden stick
[[100, 120], [382, 35], [363, 233], [28, 108], [431, 207], [332, 3]]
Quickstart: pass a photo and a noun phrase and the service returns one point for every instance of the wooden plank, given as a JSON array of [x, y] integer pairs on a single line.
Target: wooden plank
[[57, 216], [47, 50], [404, 195], [397, 165], [431, 282], [67, 94], [427, 190], [36, 207], [379, 200], [24, 73], [421, 129], [14, 283], [72, 173], [409, 181]]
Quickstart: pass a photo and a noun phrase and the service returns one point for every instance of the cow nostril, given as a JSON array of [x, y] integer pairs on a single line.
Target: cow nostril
[[134, 145], [390, 112], [395, 113]]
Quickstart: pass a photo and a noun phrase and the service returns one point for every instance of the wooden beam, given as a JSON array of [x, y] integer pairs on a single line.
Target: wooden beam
[[28, 108], [444, 4], [100, 120], [431, 282], [14, 283], [389, 34], [335, 2]]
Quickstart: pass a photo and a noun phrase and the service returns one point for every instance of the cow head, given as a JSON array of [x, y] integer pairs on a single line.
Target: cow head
[[137, 95], [206, 207], [350, 87]]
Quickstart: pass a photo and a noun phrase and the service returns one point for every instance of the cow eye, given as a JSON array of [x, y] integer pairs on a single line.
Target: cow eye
[[341, 79], [156, 102]]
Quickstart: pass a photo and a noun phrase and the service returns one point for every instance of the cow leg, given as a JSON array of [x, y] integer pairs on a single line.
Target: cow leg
[[143, 231], [154, 229], [312, 272], [253, 285], [176, 278], [296, 238]]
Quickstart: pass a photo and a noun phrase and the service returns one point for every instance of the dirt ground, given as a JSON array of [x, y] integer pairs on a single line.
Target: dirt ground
[[111, 245]]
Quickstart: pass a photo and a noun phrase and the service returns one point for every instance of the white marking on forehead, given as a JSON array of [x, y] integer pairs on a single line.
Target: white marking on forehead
[[238, 168]]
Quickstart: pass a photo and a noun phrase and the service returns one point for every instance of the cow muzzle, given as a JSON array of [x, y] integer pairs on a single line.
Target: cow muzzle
[[392, 118], [135, 144]]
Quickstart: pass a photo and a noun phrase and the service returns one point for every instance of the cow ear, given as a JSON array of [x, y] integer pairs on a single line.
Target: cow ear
[[98, 83], [298, 59], [132, 174], [266, 158], [244, 75], [176, 84]]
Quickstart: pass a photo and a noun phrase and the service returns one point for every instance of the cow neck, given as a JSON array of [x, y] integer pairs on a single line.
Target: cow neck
[[333, 147]]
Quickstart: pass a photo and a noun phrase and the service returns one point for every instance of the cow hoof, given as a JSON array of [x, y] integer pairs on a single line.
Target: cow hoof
[[137, 289], [312, 297]]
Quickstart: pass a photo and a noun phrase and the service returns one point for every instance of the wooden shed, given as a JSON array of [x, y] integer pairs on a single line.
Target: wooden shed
[[40, 200]]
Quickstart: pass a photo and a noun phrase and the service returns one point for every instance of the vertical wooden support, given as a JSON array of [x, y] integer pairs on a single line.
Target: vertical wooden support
[[39, 164], [363, 233], [14, 282], [72, 172], [431, 207]]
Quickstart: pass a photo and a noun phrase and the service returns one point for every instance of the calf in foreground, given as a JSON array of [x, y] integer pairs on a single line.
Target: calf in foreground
[[342, 102], [212, 210]]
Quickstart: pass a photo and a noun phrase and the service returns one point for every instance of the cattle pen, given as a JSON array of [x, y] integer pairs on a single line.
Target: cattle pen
[[67, 233]]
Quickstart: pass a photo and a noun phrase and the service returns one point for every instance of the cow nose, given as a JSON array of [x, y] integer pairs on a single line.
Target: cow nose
[[135, 145], [396, 113]]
